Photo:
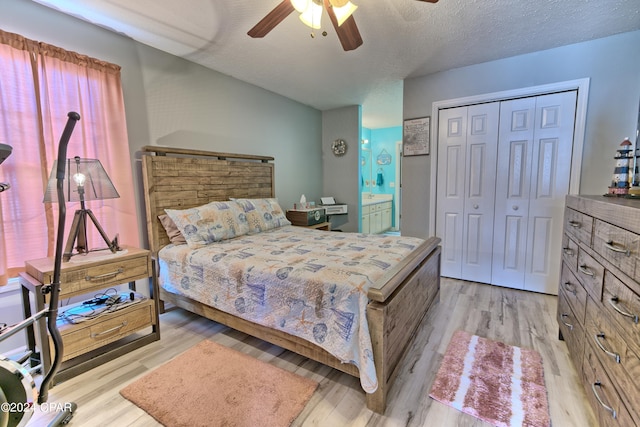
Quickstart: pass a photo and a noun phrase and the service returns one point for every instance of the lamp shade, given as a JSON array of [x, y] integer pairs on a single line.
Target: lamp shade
[[84, 179], [5, 151]]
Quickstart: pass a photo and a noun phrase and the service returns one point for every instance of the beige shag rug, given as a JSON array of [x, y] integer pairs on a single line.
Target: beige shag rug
[[493, 381], [212, 385]]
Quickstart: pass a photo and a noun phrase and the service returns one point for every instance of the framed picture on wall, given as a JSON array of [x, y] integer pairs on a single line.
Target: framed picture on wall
[[415, 137]]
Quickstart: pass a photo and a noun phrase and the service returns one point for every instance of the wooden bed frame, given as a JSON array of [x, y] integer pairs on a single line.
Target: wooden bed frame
[[183, 178]]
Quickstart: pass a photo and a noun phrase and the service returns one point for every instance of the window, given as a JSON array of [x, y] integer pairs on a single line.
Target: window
[[39, 85]]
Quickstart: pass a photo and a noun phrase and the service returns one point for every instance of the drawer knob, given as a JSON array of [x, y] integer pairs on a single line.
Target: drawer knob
[[617, 247], [568, 251], [608, 353], [568, 325], [586, 270], [574, 224], [595, 393], [615, 302]]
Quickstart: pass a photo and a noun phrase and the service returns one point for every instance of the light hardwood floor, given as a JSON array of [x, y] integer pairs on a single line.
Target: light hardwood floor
[[515, 317]]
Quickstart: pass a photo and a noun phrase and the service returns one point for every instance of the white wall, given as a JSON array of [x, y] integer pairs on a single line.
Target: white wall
[[611, 63]]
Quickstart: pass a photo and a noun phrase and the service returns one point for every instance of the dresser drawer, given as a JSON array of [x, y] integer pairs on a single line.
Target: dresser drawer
[[620, 362], [601, 393], [591, 274], [574, 293], [622, 305], [578, 225], [83, 337], [570, 252], [618, 246], [571, 331]]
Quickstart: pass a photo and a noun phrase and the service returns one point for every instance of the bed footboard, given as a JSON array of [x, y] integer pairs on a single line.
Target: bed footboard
[[394, 321]]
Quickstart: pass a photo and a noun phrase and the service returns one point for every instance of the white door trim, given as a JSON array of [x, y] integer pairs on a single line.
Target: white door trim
[[581, 85]]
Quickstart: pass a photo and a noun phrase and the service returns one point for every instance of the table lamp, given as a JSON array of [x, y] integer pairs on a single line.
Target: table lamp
[[85, 179], [5, 151]]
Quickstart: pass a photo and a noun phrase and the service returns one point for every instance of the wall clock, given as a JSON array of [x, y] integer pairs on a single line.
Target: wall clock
[[339, 147]]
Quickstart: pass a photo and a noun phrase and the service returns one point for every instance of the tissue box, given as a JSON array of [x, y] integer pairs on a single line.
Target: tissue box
[[306, 216]]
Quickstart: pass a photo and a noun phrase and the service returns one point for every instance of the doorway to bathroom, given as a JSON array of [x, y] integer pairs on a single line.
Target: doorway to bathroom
[[380, 163]]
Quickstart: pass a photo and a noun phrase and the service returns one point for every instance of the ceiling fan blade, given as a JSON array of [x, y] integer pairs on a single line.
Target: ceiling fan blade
[[348, 32], [272, 19]]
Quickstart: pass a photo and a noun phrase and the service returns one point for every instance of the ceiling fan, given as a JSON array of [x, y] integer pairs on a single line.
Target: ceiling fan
[[340, 14]]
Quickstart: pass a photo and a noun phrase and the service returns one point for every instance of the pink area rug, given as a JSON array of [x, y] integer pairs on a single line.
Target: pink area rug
[[493, 381], [212, 385]]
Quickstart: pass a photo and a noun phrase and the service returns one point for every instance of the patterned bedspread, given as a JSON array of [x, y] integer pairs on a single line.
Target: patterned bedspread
[[309, 283]]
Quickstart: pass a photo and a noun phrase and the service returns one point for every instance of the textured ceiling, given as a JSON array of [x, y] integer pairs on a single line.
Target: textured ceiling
[[402, 38]]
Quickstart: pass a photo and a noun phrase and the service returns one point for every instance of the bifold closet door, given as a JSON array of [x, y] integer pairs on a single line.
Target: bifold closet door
[[534, 168], [468, 140]]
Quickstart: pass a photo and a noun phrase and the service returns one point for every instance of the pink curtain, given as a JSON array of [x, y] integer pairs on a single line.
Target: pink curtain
[[39, 85]]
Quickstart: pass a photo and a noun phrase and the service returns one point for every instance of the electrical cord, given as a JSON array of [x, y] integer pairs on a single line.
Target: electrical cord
[[103, 303]]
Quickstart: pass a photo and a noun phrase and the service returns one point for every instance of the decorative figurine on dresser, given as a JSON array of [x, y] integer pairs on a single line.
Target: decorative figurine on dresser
[[622, 172]]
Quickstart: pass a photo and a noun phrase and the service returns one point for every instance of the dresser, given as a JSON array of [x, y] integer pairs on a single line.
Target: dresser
[[599, 303]]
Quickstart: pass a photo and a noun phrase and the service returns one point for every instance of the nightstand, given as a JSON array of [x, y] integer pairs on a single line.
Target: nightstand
[[90, 343]]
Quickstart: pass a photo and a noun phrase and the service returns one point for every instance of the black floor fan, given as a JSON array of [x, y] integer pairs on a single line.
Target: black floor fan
[[16, 385]]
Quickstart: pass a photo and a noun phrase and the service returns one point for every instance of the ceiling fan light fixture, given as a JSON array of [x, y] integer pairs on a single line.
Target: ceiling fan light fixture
[[343, 12], [312, 15], [300, 5]]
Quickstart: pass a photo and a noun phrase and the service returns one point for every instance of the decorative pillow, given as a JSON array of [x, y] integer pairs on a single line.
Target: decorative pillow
[[210, 223], [175, 236], [263, 214]]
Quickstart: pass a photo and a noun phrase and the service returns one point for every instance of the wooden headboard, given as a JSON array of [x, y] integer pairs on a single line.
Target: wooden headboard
[[178, 178]]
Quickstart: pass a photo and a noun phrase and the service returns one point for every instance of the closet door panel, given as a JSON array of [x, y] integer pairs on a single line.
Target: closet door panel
[[550, 174], [452, 130], [479, 203], [515, 148]]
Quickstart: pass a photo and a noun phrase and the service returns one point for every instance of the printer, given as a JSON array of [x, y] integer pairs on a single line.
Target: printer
[[331, 207]]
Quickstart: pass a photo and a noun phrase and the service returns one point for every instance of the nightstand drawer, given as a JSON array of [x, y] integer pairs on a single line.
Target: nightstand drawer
[[86, 336], [101, 276], [79, 276]]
